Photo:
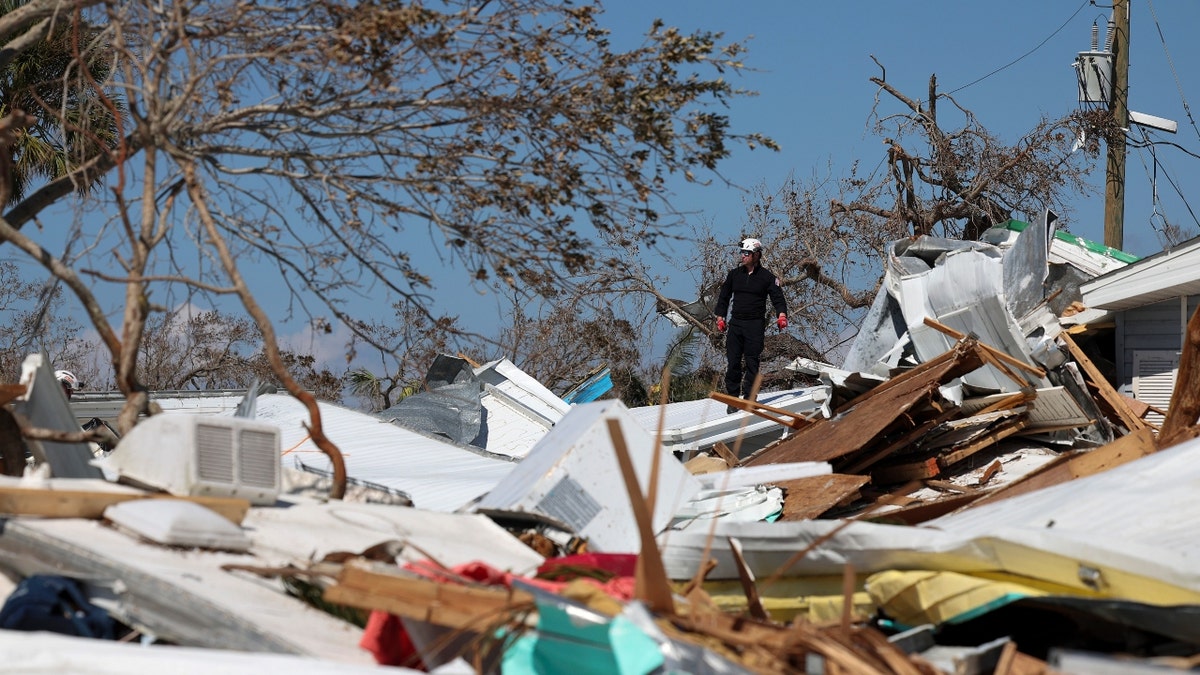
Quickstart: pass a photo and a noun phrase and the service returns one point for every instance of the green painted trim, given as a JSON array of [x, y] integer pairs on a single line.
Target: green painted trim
[[1094, 247]]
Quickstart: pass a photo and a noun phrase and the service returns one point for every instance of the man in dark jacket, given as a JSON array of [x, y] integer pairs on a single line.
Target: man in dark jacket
[[748, 285]]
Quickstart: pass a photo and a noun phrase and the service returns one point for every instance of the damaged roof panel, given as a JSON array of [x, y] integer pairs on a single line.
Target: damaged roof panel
[[867, 416], [435, 474]]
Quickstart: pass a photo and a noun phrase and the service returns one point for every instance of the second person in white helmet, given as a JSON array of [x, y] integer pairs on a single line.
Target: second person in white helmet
[[747, 288]]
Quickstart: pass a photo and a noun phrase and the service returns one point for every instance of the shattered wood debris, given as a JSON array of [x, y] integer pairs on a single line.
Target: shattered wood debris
[[894, 408], [970, 494]]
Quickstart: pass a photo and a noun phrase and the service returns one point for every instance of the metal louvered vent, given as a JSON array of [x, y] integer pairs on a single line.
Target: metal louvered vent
[[214, 454], [1154, 374], [208, 455], [258, 458]]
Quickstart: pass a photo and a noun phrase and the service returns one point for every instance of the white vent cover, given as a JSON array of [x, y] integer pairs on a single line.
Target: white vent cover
[[201, 455], [178, 523], [1154, 379]]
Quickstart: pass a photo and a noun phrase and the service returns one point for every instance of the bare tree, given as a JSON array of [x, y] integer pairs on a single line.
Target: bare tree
[[187, 348], [958, 181], [35, 319], [942, 173], [356, 147], [398, 373]]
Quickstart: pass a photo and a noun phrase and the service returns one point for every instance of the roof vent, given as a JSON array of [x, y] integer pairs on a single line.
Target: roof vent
[[201, 455]]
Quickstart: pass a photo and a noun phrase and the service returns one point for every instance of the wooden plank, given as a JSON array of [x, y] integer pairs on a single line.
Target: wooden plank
[[746, 576], [778, 415], [651, 584], [1184, 409], [441, 603], [1015, 401], [91, 504], [726, 454], [1005, 430], [1110, 395], [1017, 363], [917, 513], [1121, 451], [900, 473], [1069, 467], [809, 497], [947, 486]]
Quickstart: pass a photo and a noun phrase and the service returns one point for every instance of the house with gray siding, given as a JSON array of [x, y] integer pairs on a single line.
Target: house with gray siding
[[1148, 305]]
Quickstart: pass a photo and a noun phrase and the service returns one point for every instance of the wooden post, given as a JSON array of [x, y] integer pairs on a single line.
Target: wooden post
[[1114, 184]]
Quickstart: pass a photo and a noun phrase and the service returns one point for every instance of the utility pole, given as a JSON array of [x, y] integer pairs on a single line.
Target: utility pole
[[1114, 189]]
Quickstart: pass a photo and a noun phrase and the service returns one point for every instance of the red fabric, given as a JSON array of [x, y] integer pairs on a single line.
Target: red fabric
[[619, 564], [385, 637]]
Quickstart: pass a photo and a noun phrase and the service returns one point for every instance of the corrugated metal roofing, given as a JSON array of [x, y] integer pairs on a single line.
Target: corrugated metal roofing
[[1134, 521], [435, 474], [689, 426]]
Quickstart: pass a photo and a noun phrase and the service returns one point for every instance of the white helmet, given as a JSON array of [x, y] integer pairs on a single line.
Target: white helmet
[[752, 245], [67, 378]]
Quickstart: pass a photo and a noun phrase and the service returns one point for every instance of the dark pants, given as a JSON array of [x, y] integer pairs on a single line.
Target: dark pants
[[743, 342]]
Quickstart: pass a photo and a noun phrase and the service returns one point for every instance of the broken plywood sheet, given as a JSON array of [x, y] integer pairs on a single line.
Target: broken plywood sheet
[[966, 430], [873, 413], [931, 464], [1077, 465], [810, 497]]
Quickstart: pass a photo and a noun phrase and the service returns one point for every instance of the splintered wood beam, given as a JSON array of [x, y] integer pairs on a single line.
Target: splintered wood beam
[[1008, 403], [899, 473], [993, 469], [651, 584], [1004, 431], [778, 415], [1016, 363], [1114, 398], [746, 575], [1184, 409], [56, 503], [441, 603]]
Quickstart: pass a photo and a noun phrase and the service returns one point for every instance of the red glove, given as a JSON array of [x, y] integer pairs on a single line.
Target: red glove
[[782, 321], [720, 325]]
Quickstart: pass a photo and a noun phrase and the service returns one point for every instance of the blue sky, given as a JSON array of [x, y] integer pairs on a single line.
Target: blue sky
[[810, 62], [1010, 63]]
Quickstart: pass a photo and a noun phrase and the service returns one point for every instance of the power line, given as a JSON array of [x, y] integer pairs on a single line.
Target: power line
[[1186, 108], [1148, 144], [1019, 58]]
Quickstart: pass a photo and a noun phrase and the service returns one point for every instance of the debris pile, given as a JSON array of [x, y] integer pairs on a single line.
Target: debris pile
[[987, 484]]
